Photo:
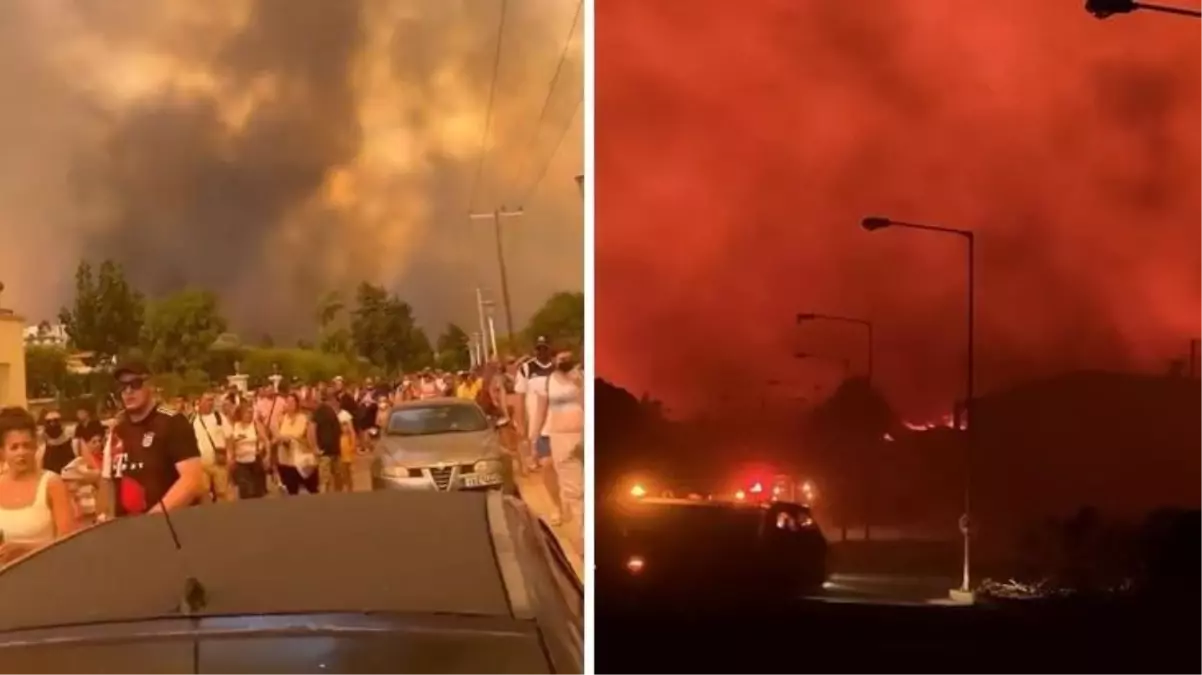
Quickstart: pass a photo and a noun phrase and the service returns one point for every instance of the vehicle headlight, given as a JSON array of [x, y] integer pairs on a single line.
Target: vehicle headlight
[[488, 466], [394, 471]]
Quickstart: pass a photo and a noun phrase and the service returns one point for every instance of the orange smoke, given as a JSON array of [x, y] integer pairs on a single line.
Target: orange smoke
[[739, 144]]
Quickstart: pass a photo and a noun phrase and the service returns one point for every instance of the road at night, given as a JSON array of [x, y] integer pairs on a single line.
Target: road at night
[[887, 588]]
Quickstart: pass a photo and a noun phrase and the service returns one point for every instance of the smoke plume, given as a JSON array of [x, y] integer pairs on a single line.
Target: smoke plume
[[273, 150], [739, 145]]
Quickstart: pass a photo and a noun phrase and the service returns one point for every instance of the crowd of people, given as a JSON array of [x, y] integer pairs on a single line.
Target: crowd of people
[[156, 454]]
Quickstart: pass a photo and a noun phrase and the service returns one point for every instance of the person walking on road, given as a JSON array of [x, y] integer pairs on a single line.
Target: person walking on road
[[151, 461], [563, 413], [58, 449], [531, 383], [211, 429], [82, 475], [35, 506], [82, 418], [246, 443], [325, 435], [295, 459]]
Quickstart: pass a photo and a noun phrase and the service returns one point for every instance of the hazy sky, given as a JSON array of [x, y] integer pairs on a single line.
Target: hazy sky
[[739, 144], [276, 149]]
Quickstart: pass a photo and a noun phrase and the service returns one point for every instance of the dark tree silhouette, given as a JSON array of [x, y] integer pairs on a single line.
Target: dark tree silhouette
[[849, 429]]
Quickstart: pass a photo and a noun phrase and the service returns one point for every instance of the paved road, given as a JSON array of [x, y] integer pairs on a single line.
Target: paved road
[[887, 589]]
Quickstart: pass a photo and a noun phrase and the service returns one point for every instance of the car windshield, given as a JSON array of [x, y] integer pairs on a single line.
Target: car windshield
[[436, 419]]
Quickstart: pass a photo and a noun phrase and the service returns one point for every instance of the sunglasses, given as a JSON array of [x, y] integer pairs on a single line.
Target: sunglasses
[[134, 384]]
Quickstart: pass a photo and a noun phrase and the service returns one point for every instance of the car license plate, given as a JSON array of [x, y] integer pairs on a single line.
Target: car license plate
[[480, 479]]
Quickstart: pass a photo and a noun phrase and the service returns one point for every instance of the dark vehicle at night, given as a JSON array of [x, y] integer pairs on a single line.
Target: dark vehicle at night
[[380, 582], [730, 553]]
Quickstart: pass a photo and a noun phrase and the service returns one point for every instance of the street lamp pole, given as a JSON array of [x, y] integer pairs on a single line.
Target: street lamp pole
[[874, 223], [496, 217], [865, 323]]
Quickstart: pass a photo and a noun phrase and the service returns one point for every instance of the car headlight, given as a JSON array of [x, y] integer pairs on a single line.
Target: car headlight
[[488, 466], [393, 471]]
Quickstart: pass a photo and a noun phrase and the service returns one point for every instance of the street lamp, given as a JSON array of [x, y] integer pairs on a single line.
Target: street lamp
[[1105, 8], [814, 316], [874, 223]]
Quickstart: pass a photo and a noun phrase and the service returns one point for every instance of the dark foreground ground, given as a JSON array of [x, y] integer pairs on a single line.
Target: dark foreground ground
[[816, 636]]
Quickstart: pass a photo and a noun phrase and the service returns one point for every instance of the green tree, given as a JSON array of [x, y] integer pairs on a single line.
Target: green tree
[[383, 331], [333, 335], [45, 371], [329, 309], [418, 353], [181, 329], [453, 348], [107, 314], [308, 365], [560, 319]]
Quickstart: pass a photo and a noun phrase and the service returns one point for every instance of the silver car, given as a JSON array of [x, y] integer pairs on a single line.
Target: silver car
[[440, 444]]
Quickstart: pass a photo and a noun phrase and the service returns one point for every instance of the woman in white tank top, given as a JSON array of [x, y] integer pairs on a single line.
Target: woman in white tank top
[[35, 507]]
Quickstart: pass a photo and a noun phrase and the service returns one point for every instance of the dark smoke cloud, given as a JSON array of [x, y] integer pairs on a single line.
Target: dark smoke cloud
[[739, 146], [276, 149]]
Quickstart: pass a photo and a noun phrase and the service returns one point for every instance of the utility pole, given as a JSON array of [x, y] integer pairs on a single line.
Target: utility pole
[[480, 313], [490, 328], [496, 217], [492, 333]]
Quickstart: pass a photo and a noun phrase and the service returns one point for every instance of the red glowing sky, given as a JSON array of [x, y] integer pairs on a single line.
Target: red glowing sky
[[739, 144]]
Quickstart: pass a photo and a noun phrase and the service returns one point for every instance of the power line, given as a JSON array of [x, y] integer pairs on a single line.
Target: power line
[[492, 94], [542, 114], [547, 164]]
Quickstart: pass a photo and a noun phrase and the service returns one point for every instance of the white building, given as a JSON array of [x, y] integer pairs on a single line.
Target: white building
[[46, 334]]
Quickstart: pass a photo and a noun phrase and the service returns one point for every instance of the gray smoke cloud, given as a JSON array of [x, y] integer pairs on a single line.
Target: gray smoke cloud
[[275, 149]]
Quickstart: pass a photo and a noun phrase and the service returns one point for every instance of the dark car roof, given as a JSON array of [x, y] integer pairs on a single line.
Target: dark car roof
[[388, 551]]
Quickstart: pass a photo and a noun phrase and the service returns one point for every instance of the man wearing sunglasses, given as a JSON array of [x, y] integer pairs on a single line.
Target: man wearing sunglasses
[[152, 459]]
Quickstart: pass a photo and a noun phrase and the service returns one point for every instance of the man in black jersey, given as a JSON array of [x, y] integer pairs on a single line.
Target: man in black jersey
[[151, 461]]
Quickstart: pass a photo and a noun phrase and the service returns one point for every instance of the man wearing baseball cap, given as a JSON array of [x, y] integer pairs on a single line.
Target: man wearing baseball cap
[[152, 458], [531, 383]]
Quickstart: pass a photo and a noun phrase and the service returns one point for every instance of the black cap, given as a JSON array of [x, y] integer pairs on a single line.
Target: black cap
[[541, 341], [131, 366]]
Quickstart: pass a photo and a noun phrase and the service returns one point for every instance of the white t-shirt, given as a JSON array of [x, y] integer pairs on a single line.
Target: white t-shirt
[[531, 382], [211, 433], [246, 448]]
